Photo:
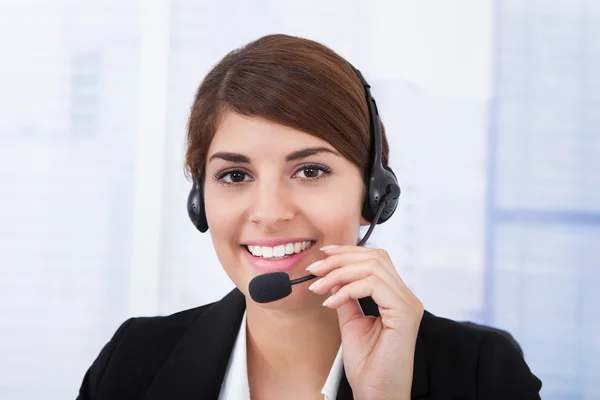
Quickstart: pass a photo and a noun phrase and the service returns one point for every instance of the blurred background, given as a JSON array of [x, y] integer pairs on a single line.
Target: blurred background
[[492, 108]]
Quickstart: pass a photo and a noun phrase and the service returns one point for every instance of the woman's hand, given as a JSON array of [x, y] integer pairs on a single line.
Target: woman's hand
[[378, 352]]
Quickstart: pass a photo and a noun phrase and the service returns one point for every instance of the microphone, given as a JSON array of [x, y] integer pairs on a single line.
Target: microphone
[[275, 286]]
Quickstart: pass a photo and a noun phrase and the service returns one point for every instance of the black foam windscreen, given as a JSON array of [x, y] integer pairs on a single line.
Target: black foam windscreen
[[270, 287]]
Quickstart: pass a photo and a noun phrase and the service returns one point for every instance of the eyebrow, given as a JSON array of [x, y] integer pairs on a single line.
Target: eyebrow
[[296, 155]]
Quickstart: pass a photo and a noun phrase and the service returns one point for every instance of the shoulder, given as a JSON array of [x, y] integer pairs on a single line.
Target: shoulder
[[155, 333], [138, 349], [163, 329], [462, 337], [486, 360]]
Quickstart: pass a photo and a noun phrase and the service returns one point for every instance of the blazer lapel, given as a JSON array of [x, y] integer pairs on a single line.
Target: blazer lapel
[[196, 367], [420, 384]]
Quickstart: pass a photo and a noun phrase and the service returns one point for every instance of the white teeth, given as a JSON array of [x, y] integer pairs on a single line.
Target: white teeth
[[279, 251], [267, 252], [289, 248]]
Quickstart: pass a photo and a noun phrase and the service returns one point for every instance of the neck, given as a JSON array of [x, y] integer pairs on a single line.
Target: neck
[[297, 345]]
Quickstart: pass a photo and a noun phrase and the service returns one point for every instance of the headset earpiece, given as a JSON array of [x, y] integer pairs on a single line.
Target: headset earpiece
[[195, 207], [381, 183], [382, 186]]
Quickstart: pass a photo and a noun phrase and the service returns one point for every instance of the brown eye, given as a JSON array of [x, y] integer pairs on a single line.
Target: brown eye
[[237, 176], [232, 176], [311, 172]]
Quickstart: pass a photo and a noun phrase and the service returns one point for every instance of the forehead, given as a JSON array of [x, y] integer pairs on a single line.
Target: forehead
[[244, 134]]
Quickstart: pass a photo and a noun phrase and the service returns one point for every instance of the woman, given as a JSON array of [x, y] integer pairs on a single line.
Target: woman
[[280, 147]]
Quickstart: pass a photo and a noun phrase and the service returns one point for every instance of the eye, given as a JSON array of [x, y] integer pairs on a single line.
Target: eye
[[312, 172], [232, 177]]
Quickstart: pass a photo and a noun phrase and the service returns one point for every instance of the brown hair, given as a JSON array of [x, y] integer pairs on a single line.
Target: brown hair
[[288, 80]]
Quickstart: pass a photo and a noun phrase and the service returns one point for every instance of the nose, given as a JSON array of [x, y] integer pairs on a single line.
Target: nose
[[271, 205]]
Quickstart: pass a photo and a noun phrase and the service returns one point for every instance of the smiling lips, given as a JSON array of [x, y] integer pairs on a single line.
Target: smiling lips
[[283, 257]]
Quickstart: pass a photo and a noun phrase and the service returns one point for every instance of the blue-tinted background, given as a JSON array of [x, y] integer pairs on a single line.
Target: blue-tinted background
[[492, 110]]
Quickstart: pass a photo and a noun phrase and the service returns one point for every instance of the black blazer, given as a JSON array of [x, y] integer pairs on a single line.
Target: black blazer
[[185, 355]]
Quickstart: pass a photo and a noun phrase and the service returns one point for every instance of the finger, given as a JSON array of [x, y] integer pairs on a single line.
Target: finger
[[326, 265], [350, 273], [335, 289], [380, 254], [372, 286], [340, 261]]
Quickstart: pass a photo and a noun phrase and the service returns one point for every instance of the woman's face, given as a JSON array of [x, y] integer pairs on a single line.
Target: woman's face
[[273, 197]]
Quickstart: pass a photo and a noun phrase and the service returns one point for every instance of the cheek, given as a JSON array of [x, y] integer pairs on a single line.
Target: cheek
[[338, 214], [224, 221], [223, 216]]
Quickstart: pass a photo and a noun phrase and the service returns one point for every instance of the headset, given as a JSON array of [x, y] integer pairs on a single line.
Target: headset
[[381, 196]]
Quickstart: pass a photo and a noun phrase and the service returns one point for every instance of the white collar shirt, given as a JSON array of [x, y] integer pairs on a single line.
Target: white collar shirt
[[235, 383]]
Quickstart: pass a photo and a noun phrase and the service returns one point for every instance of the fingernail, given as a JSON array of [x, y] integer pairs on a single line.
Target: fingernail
[[313, 265], [328, 300], [331, 246], [315, 284]]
